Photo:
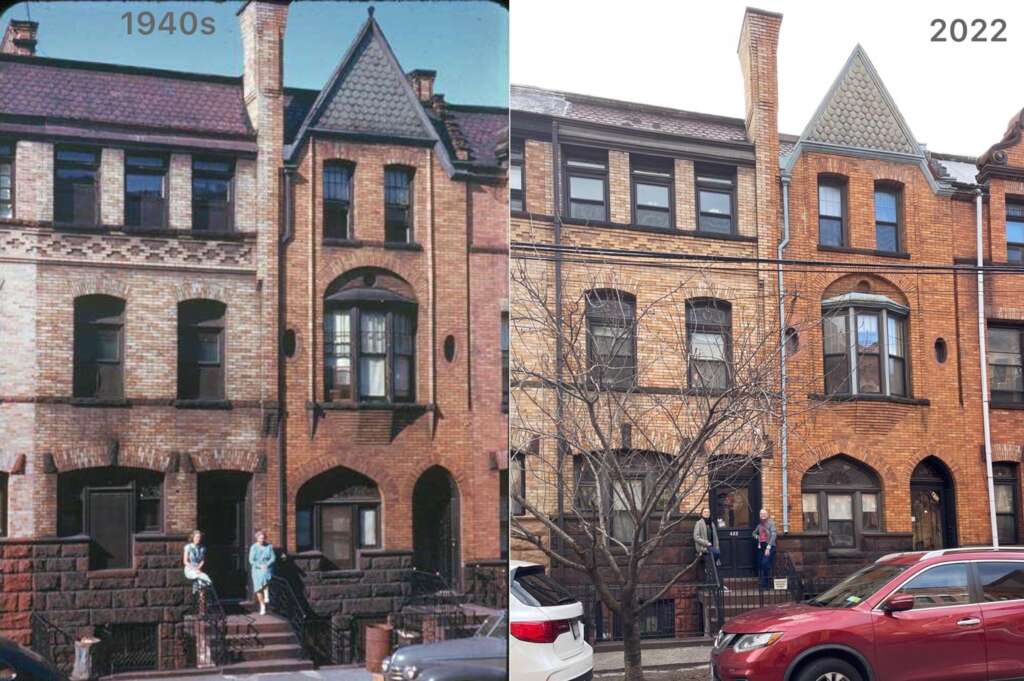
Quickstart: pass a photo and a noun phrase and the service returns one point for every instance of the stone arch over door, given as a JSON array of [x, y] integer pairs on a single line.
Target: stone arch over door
[[933, 505], [436, 528], [338, 513]]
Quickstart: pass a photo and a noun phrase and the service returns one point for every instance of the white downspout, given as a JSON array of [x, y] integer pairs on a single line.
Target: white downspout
[[982, 343], [784, 430]]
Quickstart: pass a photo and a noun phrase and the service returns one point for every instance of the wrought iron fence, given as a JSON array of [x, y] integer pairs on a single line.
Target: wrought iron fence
[[657, 620], [126, 647], [321, 639], [53, 643], [731, 596], [487, 584]]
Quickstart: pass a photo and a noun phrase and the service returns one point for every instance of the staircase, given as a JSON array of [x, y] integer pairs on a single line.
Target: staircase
[[261, 644], [741, 595]]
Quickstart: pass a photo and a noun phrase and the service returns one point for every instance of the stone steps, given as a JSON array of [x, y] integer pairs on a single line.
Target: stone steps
[[263, 644]]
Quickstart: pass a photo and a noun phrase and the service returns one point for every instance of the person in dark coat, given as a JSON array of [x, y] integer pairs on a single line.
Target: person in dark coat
[[705, 540]]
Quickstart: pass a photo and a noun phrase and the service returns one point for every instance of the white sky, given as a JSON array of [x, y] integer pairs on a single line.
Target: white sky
[[956, 97]]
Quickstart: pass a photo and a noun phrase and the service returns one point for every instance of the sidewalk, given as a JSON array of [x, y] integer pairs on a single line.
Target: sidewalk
[[673, 655], [340, 673]]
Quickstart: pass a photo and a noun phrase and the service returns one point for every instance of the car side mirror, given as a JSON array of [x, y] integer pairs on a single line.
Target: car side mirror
[[899, 603]]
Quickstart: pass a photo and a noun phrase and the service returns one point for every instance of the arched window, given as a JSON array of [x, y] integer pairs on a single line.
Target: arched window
[[611, 338], [708, 332], [110, 504], [338, 513], [865, 345], [201, 350], [99, 347], [370, 338], [842, 497], [398, 204], [338, 199]]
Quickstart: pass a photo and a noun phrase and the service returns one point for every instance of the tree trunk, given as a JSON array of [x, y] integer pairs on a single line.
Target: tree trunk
[[631, 645]]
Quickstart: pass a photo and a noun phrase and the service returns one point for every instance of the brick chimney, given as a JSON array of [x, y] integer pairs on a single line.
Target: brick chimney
[[262, 24], [422, 81], [758, 53], [20, 38]]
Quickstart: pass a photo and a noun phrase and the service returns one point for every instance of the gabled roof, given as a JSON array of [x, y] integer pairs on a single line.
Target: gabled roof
[[369, 95], [859, 113]]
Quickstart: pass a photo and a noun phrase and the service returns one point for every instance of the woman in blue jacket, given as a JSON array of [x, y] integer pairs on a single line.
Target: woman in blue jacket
[[261, 560]]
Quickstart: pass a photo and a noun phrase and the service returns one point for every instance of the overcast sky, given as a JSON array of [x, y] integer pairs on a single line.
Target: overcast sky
[[956, 97]]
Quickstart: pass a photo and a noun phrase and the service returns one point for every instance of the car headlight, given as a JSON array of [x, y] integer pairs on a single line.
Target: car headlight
[[721, 639], [411, 673], [385, 664], [748, 642]]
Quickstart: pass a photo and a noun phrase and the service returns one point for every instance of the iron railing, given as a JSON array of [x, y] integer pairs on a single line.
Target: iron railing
[[731, 596], [434, 611], [322, 641], [126, 647], [657, 620], [53, 643], [487, 585]]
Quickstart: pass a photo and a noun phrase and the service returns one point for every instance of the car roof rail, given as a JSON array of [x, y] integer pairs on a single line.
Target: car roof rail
[[969, 549]]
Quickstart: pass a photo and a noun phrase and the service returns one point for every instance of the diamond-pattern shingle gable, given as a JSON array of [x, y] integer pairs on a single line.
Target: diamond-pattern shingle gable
[[370, 95], [859, 113]]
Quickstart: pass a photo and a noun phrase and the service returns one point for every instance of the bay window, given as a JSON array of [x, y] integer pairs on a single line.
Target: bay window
[[865, 346]]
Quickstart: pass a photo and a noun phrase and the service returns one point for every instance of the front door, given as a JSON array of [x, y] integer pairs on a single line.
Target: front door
[[929, 523], [435, 522], [109, 522], [735, 503], [223, 519]]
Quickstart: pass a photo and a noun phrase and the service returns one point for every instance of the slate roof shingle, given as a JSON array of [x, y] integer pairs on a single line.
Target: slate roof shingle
[[148, 98]]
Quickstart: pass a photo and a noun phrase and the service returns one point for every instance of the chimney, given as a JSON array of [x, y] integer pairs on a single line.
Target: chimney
[[758, 50], [422, 81], [262, 24], [20, 38]]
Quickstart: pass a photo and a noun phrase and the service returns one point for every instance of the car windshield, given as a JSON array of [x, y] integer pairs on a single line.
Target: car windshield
[[858, 586], [534, 588], [495, 626]]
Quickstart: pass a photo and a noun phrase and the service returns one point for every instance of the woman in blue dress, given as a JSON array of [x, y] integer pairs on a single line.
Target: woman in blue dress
[[261, 558], [194, 558]]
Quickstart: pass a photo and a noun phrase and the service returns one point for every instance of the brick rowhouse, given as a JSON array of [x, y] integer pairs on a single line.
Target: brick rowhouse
[[232, 304], [893, 458]]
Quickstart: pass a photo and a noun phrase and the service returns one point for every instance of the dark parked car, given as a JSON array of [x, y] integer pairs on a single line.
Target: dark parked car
[[481, 657], [949, 615], [24, 664]]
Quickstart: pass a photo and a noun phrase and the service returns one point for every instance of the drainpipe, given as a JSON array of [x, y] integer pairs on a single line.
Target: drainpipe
[[784, 429], [556, 161], [288, 177], [982, 342]]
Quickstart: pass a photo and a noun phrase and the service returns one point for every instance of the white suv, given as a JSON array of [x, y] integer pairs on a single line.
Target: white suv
[[546, 641]]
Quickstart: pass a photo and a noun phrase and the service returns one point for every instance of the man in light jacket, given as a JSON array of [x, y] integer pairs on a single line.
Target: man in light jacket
[[765, 535], [705, 540]]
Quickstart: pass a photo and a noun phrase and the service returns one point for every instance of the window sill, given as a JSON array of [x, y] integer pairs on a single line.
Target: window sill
[[114, 402], [1009, 406], [113, 573], [864, 251], [667, 231], [399, 246], [716, 235], [914, 402], [369, 406], [334, 242], [202, 404], [152, 232]]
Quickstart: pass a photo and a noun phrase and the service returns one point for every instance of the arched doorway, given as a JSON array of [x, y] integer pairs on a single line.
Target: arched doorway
[[435, 525], [224, 512], [932, 506]]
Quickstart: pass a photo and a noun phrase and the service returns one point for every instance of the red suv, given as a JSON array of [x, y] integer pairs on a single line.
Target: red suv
[[954, 615]]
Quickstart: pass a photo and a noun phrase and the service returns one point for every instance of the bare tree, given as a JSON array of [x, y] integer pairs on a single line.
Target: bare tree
[[641, 388]]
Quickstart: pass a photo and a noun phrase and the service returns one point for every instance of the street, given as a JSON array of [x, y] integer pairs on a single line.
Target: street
[[695, 674], [341, 673]]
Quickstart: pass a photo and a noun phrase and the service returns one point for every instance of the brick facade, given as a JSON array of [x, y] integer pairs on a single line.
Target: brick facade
[[270, 273]]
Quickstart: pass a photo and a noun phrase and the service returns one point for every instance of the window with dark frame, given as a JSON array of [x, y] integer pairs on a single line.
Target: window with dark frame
[[338, 200], [873, 359], [831, 211], [622, 491], [708, 333], [517, 480], [716, 194], [652, 191], [611, 338], [145, 190], [586, 183], [3, 504], [1015, 232], [98, 347], [201, 350], [503, 510], [338, 513], [398, 205], [887, 218], [1006, 488], [379, 342], [6, 180], [504, 362], [1005, 364], [517, 176], [212, 195], [841, 497], [76, 186]]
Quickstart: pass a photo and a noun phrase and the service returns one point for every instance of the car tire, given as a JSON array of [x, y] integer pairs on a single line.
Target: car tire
[[829, 669]]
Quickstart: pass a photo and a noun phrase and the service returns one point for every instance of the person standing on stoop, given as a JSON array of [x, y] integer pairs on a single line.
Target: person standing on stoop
[[765, 535], [261, 559], [705, 541]]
